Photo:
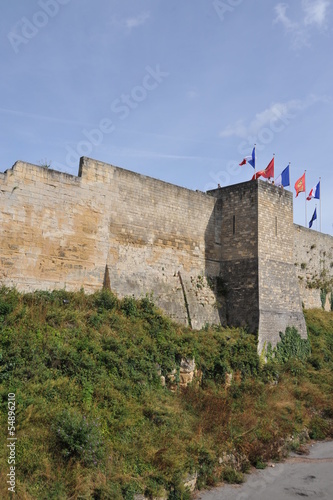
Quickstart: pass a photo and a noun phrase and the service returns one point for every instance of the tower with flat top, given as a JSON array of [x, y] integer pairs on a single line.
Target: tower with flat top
[[257, 259]]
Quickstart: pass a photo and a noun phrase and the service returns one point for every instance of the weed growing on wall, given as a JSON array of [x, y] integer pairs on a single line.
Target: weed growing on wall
[[323, 295]]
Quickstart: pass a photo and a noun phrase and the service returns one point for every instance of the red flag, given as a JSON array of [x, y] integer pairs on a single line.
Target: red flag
[[258, 174], [267, 173], [300, 185], [246, 159]]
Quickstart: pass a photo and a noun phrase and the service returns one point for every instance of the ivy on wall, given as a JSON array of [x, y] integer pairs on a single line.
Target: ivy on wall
[[323, 295]]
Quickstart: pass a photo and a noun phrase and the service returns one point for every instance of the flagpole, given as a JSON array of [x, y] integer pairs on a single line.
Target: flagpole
[[320, 202], [255, 159], [306, 217], [289, 178]]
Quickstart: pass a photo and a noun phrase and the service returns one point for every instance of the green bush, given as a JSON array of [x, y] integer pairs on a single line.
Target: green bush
[[129, 307], [270, 372], [290, 346], [4, 308], [244, 356], [207, 474], [9, 299], [105, 300], [260, 464], [147, 305], [295, 367], [79, 437], [230, 475], [318, 428]]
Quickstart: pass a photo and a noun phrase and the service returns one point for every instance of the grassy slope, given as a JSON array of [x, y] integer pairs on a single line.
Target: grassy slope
[[93, 420]]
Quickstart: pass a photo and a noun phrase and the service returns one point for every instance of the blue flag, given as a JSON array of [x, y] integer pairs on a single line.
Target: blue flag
[[284, 178], [252, 162], [313, 218]]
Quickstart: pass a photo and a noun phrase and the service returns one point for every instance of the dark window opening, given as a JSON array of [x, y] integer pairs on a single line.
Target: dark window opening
[[276, 226]]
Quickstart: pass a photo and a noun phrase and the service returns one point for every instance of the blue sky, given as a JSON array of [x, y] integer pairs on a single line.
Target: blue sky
[[178, 89]]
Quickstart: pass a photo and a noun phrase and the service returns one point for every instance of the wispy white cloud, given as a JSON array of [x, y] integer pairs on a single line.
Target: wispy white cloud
[[238, 129], [281, 16], [313, 14], [277, 112], [134, 22]]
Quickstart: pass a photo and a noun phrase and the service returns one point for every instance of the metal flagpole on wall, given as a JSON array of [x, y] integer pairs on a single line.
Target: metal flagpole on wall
[[320, 202], [306, 217], [255, 159], [289, 177]]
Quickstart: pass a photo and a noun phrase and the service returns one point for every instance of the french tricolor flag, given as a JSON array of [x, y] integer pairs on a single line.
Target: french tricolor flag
[[315, 192], [250, 159], [284, 179]]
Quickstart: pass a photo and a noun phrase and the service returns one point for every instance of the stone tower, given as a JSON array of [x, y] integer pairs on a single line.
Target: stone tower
[[257, 259]]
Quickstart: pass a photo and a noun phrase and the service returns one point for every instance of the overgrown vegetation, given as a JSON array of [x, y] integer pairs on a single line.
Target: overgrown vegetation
[[94, 420], [291, 346], [44, 163]]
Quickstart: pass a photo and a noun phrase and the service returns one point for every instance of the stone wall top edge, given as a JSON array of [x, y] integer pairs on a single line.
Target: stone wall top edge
[[267, 187], [313, 232], [247, 185], [38, 168], [88, 162], [262, 186]]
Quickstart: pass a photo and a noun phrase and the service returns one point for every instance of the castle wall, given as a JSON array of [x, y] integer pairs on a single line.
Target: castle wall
[[313, 259], [232, 255], [61, 231], [279, 297]]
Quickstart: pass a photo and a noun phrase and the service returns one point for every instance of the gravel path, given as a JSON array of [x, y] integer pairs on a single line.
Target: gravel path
[[308, 476]]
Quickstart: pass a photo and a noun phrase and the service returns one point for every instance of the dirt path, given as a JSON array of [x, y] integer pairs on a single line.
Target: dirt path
[[309, 476]]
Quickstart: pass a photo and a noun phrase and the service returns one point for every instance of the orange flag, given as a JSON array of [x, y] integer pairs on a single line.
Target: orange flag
[[300, 185]]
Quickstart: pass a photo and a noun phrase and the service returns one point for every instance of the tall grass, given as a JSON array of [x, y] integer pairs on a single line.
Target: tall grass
[[94, 420]]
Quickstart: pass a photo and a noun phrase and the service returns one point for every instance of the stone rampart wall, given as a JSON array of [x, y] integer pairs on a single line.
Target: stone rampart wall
[[313, 259], [61, 231], [231, 255]]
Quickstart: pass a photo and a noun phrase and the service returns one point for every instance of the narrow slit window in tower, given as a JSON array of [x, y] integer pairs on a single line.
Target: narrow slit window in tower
[[276, 226]]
